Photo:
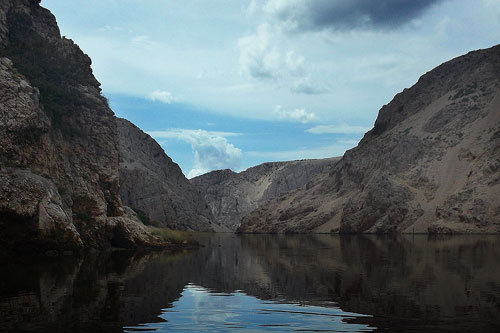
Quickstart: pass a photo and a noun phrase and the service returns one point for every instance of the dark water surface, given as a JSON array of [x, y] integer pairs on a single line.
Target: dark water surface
[[263, 282]]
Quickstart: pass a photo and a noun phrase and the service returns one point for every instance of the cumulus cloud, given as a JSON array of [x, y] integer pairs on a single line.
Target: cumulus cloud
[[311, 15], [162, 96], [211, 149], [338, 129], [258, 57], [261, 59], [298, 115]]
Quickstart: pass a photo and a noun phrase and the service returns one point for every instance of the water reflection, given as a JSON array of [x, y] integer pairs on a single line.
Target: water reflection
[[200, 309], [403, 283]]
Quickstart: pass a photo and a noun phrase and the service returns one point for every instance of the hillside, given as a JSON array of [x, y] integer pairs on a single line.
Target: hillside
[[153, 185], [59, 146], [430, 164], [232, 195]]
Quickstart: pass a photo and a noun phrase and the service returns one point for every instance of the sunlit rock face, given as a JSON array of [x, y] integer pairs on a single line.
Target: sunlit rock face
[[152, 184], [59, 153], [232, 195], [430, 164]]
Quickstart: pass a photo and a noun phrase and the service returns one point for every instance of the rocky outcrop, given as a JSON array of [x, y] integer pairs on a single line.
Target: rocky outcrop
[[430, 164], [59, 152], [153, 185], [232, 195]]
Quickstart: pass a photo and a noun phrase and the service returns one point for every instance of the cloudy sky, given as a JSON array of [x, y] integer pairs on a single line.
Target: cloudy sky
[[234, 83]]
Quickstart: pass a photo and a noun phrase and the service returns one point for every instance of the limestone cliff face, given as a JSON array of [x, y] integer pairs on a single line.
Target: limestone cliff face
[[59, 154], [232, 195], [430, 164], [151, 183]]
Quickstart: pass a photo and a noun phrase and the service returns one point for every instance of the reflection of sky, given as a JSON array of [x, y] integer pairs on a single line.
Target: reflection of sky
[[199, 309]]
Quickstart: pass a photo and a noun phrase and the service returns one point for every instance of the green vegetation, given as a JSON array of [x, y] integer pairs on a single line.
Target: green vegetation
[[174, 236]]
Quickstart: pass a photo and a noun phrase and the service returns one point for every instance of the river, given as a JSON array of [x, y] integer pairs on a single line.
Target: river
[[253, 283]]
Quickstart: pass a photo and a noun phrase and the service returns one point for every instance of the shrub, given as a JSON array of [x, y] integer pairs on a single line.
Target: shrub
[[174, 236]]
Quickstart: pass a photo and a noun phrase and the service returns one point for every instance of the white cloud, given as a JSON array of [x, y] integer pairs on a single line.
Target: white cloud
[[274, 7], [181, 48], [110, 28], [334, 150], [142, 41], [258, 57], [252, 8], [298, 115], [211, 149], [186, 134], [305, 86], [295, 64], [261, 58], [492, 5], [338, 129], [162, 96]]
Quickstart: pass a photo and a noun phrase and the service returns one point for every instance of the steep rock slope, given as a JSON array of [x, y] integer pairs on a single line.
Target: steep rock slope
[[430, 164], [59, 155], [232, 195], [152, 184]]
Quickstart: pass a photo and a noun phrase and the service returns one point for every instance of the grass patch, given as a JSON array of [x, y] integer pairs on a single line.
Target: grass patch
[[174, 236]]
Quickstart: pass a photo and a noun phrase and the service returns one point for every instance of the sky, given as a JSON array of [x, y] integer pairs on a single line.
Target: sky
[[232, 84]]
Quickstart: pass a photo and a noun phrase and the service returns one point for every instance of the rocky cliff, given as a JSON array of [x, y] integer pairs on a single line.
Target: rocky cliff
[[430, 164], [153, 185], [59, 149], [232, 195]]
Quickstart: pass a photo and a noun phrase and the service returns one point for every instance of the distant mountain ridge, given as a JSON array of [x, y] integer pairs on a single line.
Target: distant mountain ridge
[[232, 195], [430, 164], [152, 184]]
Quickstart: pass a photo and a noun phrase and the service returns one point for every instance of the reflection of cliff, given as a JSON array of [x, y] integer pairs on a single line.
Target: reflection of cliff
[[418, 283], [223, 268], [68, 294], [409, 280], [421, 280]]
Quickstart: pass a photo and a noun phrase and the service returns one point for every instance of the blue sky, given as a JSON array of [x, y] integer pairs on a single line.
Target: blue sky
[[231, 84]]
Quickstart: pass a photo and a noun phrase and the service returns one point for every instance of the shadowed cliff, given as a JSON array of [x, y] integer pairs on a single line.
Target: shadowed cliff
[[59, 145]]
